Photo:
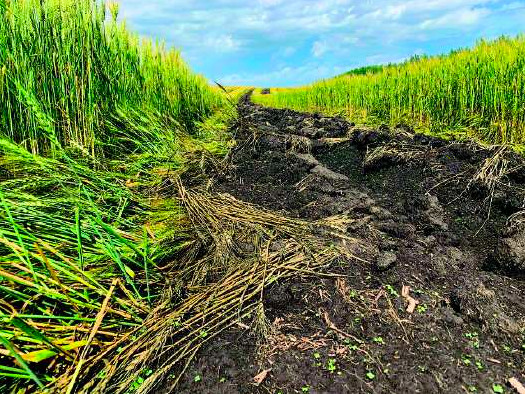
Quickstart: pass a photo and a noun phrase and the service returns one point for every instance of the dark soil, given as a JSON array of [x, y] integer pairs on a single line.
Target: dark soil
[[430, 223]]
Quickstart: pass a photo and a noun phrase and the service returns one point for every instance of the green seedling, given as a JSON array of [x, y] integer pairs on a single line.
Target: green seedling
[[331, 365], [421, 309], [317, 357], [392, 291], [137, 383], [474, 339]]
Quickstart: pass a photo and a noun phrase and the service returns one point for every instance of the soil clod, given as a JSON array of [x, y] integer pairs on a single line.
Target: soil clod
[[510, 252], [386, 260]]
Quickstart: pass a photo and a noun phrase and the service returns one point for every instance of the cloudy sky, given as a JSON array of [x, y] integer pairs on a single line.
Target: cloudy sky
[[294, 42]]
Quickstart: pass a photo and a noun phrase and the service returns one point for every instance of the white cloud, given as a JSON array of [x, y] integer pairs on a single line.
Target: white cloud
[[277, 34], [270, 3], [457, 19], [224, 43], [319, 48], [333, 43], [280, 76], [277, 22], [516, 5]]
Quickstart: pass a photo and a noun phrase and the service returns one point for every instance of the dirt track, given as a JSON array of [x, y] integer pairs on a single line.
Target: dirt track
[[440, 218]]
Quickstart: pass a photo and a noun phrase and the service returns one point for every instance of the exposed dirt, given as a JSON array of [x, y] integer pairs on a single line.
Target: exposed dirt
[[445, 219]]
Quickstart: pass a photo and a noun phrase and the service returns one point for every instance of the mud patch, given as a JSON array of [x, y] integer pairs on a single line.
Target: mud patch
[[437, 232]]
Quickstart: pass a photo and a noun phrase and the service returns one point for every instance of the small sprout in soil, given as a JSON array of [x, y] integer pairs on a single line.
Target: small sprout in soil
[[350, 345], [203, 334], [498, 388], [137, 383], [479, 365], [222, 380], [370, 375], [392, 291], [197, 378], [474, 340], [386, 371], [472, 389], [507, 348], [353, 294], [305, 388], [331, 365], [317, 356], [466, 360], [422, 308], [378, 340], [422, 368]]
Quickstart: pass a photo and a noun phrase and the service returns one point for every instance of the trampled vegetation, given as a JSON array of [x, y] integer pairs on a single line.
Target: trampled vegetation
[[92, 118], [477, 91]]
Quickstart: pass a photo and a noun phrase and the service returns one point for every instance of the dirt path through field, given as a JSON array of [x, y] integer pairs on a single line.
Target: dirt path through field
[[439, 305]]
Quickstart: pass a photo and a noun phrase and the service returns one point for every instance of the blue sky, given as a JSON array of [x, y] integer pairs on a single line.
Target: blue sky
[[295, 42]]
